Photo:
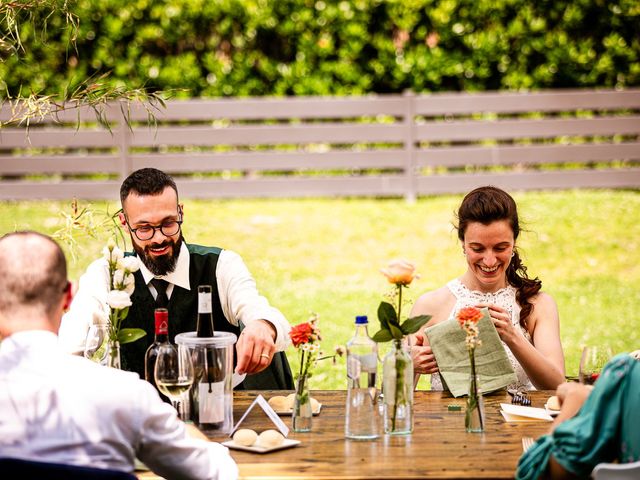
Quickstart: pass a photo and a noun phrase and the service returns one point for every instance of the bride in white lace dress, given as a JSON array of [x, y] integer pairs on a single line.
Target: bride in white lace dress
[[525, 317]]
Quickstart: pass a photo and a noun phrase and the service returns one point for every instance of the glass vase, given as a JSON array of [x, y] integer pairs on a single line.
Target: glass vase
[[474, 414], [302, 413], [397, 378]]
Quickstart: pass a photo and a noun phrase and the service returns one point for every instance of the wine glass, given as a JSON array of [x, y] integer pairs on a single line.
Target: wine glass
[[96, 346], [592, 362], [173, 372]]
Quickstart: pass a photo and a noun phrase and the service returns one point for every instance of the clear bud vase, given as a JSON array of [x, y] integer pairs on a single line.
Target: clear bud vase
[[302, 413], [113, 355], [397, 378], [474, 415]]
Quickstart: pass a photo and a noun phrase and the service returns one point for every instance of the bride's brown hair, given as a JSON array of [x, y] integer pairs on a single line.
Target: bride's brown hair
[[490, 204]]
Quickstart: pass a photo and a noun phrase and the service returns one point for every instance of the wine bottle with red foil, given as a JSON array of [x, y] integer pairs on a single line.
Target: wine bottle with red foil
[[161, 316], [209, 373]]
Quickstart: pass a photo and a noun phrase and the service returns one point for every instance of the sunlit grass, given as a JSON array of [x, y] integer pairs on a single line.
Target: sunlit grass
[[324, 256]]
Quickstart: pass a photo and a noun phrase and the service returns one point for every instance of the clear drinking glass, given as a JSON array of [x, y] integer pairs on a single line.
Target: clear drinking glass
[[592, 361], [174, 372]]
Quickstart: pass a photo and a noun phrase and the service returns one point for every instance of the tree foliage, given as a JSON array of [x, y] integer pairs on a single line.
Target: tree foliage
[[312, 47]]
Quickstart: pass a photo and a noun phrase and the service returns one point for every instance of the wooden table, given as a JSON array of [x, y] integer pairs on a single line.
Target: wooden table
[[438, 448]]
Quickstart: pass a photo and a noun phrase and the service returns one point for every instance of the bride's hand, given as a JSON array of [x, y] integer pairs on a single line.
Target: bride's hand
[[502, 320], [423, 359]]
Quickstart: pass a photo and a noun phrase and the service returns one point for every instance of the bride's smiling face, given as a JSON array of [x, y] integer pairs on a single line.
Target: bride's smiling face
[[488, 250]]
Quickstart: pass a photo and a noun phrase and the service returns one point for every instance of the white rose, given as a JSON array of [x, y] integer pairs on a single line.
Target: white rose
[[112, 254], [118, 299], [124, 281], [129, 264]]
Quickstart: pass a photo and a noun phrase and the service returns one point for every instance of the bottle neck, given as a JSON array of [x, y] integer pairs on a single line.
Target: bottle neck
[[361, 330], [162, 324]]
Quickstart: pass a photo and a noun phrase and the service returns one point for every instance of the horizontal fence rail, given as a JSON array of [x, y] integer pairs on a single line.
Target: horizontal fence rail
[[383, 145]]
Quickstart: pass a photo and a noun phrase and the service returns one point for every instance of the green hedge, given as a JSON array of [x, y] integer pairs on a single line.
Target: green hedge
[[312, 47]]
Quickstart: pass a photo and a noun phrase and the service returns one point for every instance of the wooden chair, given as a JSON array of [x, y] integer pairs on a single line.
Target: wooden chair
[[21, 468]]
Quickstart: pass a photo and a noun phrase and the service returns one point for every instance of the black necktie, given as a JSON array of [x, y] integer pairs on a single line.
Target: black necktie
[[161, 287]]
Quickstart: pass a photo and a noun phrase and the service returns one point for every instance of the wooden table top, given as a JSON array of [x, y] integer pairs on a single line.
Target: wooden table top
[[438, 448]]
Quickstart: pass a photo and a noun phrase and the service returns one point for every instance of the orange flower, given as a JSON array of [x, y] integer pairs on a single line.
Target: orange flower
[[400, 272], [468, 314], [301, 333]]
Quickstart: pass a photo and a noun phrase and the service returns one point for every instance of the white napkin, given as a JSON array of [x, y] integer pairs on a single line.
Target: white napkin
[[519, 413], [237, 379]]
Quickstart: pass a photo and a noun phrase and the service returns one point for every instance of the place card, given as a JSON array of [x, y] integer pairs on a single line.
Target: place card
[[519, 413], [270, 412]]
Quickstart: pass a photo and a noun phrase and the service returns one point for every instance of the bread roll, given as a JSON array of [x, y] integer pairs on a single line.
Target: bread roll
[[291, 398], [279, 403], [315, 405], [270, 439], [553, 403], [245, 437]]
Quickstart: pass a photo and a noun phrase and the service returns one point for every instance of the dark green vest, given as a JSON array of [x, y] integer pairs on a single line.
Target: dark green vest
[[183, 310]]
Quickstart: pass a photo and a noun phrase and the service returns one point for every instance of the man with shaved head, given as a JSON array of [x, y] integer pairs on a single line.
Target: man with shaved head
[[59, 408]]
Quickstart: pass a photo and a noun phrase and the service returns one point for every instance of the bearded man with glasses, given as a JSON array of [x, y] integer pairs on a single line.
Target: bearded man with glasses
[[153, 216]]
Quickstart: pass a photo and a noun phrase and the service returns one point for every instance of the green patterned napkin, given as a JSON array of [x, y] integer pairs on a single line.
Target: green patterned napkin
[[492, 364]]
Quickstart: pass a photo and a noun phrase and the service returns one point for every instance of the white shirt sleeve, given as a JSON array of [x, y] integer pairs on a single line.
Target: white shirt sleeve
[[241, 301], [166, 448], [89, 300]]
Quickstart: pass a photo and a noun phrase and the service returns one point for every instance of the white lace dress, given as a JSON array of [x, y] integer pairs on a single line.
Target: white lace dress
[[505, 298]]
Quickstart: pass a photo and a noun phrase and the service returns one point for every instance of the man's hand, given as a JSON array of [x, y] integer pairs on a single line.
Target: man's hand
[[256, 347]]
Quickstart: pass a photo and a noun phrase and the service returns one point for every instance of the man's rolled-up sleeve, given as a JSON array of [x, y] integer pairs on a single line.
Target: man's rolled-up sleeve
[[241, 301]]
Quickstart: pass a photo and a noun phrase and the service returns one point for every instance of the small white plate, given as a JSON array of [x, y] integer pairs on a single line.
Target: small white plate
[[288, 443]]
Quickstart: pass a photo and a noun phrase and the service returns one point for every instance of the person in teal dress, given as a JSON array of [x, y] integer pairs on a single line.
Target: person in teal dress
[[593, 426]]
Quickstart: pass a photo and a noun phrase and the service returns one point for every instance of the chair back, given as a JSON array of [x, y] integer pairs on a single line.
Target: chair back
[[21, 468], [617, 471]]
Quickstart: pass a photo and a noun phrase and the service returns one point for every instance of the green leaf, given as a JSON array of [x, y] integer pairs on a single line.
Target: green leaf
[[412, 325], [382, 336], [128, 335], [387, 315], [396, 332]]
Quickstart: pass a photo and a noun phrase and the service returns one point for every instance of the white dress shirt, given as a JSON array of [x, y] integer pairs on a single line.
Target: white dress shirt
[[61, 408], [239, 297]]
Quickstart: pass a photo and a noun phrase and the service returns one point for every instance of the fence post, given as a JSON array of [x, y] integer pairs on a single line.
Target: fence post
[[121, 112], [410, 147]]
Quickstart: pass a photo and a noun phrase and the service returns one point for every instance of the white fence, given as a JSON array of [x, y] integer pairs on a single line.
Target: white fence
[[383, 145]]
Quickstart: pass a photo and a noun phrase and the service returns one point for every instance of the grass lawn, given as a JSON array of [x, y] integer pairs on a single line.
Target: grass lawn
[[324, 256]]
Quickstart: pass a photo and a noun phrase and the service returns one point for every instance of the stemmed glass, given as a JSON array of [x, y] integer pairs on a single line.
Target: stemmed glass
[[96, 345], [174, 372], [592, 362]]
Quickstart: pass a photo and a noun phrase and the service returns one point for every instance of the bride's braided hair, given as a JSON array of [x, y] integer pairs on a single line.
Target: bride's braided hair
[[490, 204]]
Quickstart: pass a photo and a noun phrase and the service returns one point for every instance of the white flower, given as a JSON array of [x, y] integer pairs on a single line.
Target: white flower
[[118, 299], [112, 255], [129, 264], [121, 278]]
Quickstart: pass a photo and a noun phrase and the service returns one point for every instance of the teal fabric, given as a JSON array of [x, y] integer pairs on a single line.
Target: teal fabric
[[447, 340], [604, 430]]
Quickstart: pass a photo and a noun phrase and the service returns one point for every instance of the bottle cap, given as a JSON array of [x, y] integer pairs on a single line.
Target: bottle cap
[[361, 319]]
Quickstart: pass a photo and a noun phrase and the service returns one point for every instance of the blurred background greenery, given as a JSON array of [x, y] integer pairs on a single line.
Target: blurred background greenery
[[324, 256], [317, 47]]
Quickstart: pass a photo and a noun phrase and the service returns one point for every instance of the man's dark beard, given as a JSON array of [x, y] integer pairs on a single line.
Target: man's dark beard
[[163, 265]]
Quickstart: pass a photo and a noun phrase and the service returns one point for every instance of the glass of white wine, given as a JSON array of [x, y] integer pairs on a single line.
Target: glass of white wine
[[174, 372]]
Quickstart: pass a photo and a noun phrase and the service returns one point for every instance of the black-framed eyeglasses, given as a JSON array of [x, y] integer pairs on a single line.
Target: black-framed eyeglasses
[[168, 228]]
